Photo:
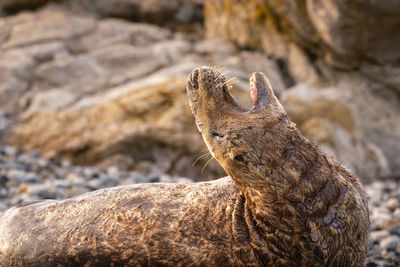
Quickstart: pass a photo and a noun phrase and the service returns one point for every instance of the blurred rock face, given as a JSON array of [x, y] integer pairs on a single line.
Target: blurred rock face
[[152, 123], [110, 92], [154, 11], [326, 119], [171, 13], [349, 45], [341, 34], [14, 5], [65, 74]]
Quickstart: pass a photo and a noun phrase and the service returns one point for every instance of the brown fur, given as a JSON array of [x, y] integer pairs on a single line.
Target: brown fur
[[288, 205]]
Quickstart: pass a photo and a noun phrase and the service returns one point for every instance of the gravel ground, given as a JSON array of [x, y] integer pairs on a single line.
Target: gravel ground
[[28, 176]]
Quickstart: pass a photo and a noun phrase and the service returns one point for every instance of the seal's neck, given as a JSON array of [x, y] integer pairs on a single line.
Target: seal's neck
[[289, 172]]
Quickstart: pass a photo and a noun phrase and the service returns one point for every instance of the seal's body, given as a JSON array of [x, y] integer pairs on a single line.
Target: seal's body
[[150, 224], [285, 203]]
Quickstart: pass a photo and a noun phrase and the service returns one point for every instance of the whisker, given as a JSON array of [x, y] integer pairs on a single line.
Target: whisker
[[222, 74], [200, 158], [216, 68], [206, 165], [232, 81]]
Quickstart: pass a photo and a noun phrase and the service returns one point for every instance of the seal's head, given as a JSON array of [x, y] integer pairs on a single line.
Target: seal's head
[[237, 137]]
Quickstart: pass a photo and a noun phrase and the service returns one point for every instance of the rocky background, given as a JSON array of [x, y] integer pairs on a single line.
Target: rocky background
[[92, 92]]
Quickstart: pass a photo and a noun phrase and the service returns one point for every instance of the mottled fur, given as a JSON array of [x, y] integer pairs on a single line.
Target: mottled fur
[[289, 204]]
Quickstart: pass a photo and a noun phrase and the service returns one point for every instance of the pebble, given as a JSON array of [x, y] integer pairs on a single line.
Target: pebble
[[392, 203], [16, 175], [91, 172], [42, 191], [380, 216], [390, 242], [3, 192], [10, 151], [104, 182], [379, 235], [27, 176], [74, 190], [3, 206], [396, 214]]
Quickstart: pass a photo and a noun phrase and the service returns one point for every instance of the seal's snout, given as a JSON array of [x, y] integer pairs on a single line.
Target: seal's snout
[[209, 89]]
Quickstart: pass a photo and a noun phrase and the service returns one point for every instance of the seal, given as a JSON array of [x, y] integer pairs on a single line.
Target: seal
[[285, 203]]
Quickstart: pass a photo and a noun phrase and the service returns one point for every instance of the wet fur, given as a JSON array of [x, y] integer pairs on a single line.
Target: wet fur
[[285, 204]]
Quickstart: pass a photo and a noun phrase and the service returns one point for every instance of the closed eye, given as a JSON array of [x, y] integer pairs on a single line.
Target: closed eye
[[214, 134], [239, 158]]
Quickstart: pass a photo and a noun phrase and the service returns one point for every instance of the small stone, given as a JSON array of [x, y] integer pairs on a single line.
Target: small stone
[[104, 182], [10, 151], [3, 179], [154, 179], [32, 177], [17, 176], [65, 163], [113, 171], [380, 216], [390, 186], [3, 192], [140, 179], [389, 242], [396, 213], [379, 235], [3, 207], [75, 190], [42, 191], [18, 166], [35, 154], [183, 180], [75, 178], [395, 231], [165, 178], [91, 172], [61, 184], [22, 188], [144, 166], [392, 203], [43, 163]]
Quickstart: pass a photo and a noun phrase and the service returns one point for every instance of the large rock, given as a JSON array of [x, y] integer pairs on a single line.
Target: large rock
[[14, 5], [348, 45], [111, 92], [325, 118], [341, 34], [175, 13], [150, 123], [378, 110], [73, 55], [29, 28], [154, 11]]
